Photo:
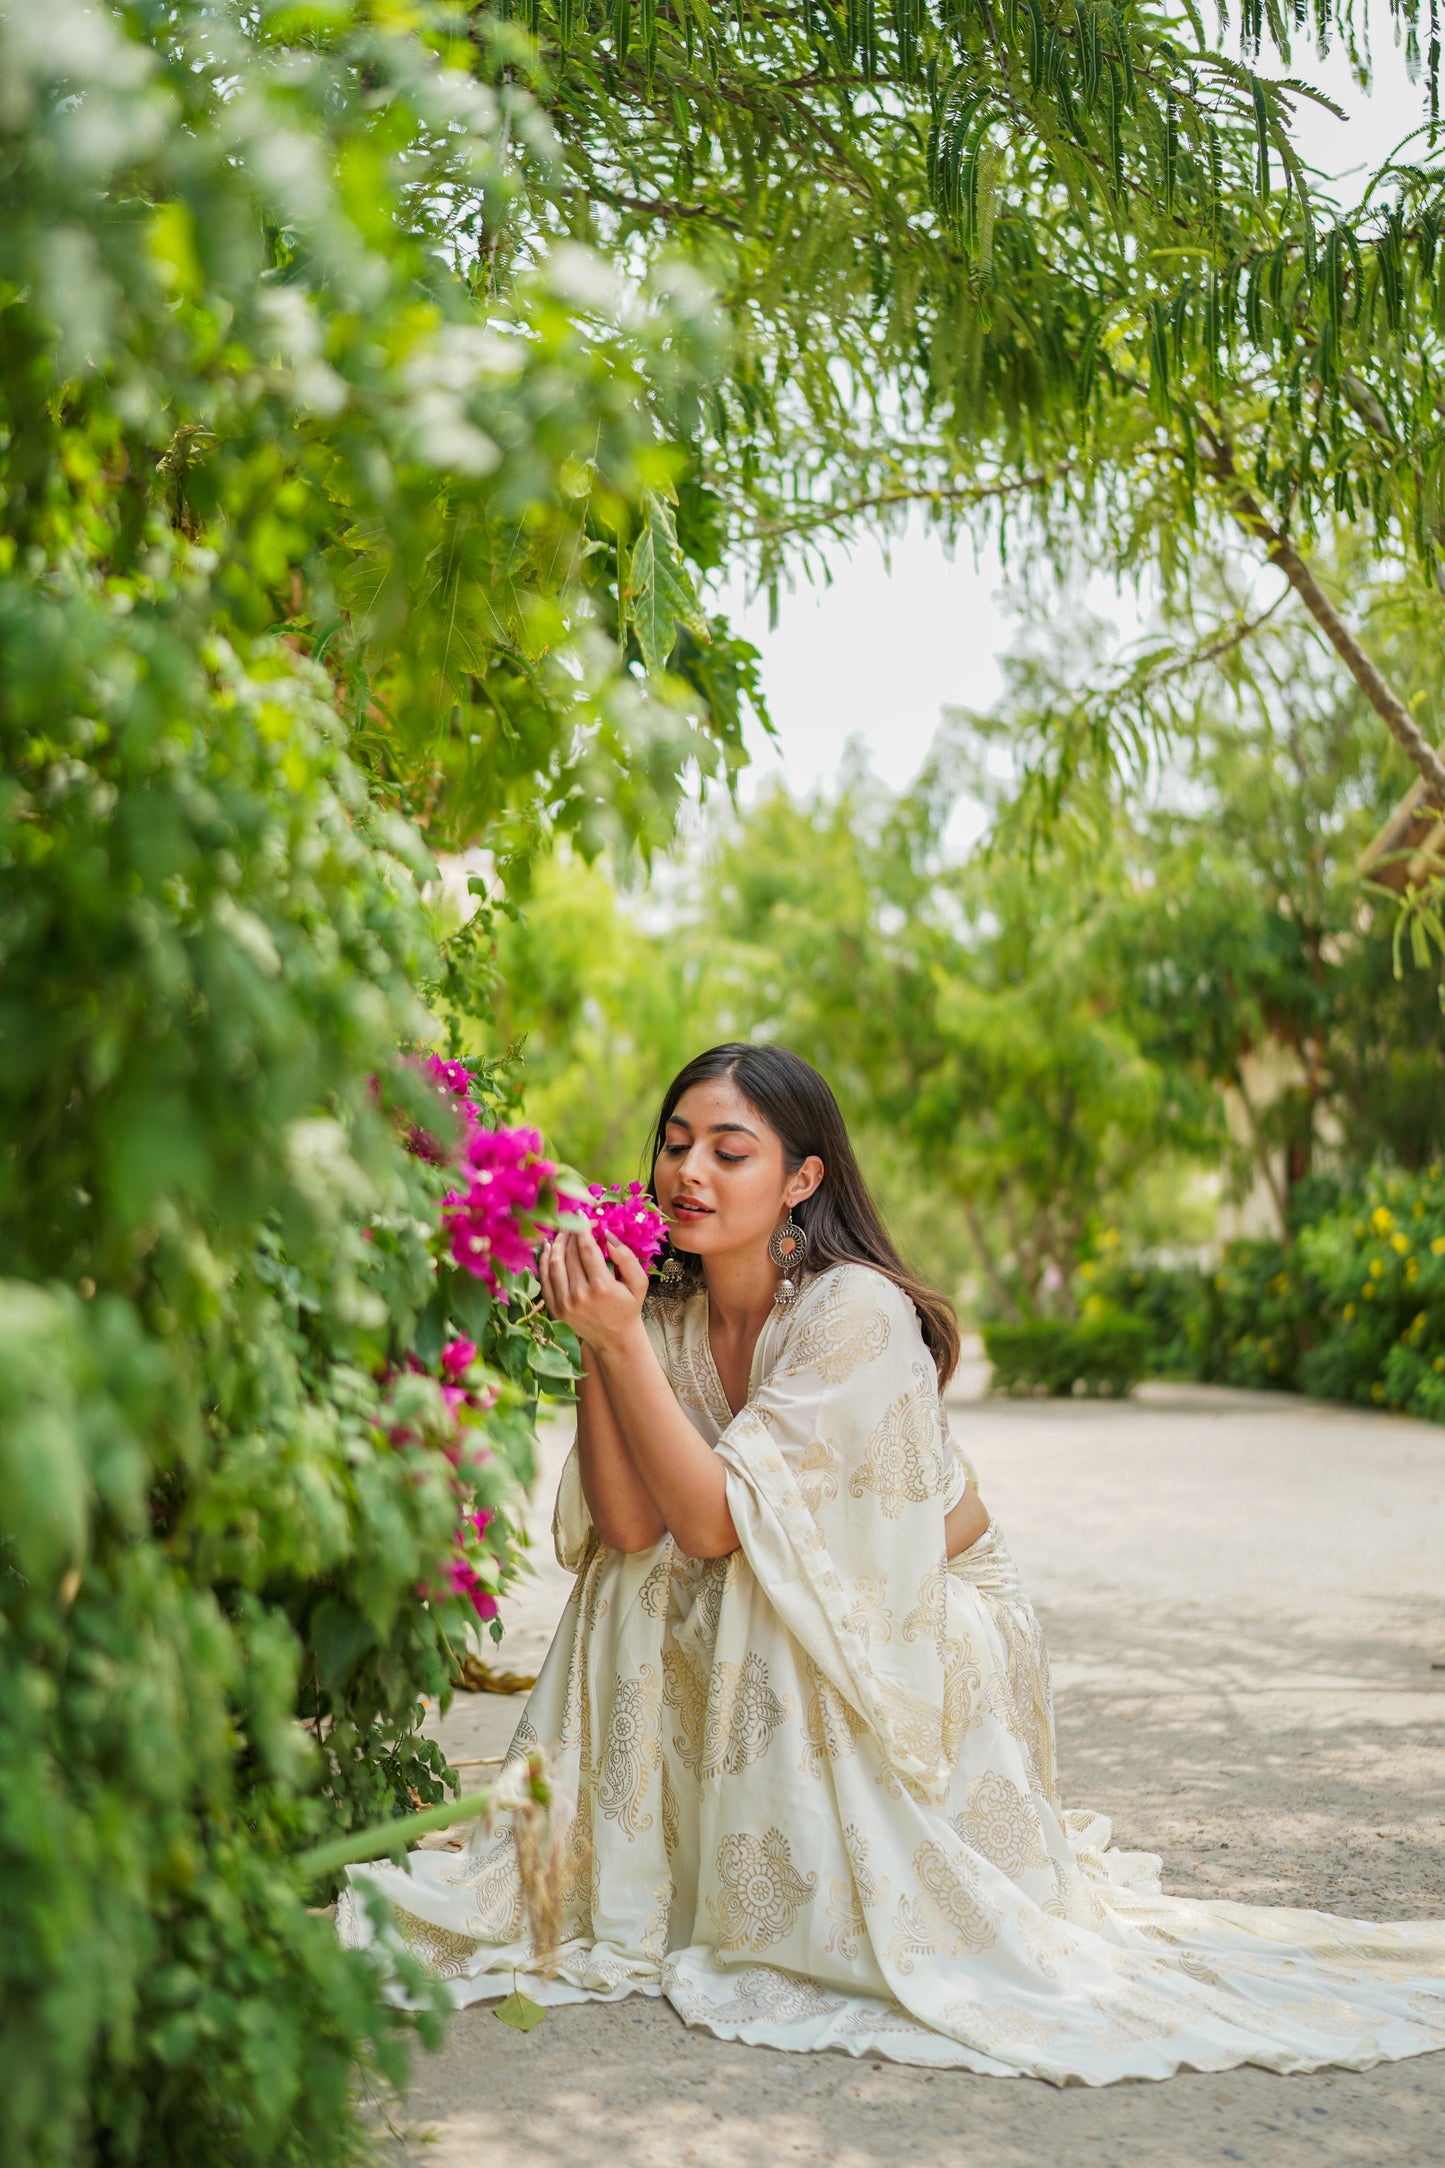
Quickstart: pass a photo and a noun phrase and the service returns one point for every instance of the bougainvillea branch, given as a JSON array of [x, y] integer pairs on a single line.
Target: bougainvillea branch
[[503, 1195]]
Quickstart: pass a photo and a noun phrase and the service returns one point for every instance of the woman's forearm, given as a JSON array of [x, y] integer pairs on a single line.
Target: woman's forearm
[[623, 1514], [683, 1477]]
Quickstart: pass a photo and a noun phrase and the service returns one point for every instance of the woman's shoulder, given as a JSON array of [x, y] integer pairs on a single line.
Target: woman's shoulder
[[854, 1289], [847, 1315]]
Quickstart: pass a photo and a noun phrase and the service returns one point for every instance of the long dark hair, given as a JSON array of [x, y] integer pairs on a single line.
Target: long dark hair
[[842, 1222]]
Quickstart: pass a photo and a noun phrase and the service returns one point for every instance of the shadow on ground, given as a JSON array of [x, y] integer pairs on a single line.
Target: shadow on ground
[[628, 2083], [1245, 1597]]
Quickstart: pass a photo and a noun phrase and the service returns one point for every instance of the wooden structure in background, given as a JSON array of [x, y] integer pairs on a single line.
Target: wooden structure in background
[[1411, 845]]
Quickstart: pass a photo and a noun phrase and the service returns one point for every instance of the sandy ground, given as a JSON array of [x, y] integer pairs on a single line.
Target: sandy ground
[[1245, 1601]]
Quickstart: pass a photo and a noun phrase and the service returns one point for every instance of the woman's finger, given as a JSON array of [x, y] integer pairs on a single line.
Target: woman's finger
[[629, 1270], [561, 1282], [590, 1261], [546, 1273]]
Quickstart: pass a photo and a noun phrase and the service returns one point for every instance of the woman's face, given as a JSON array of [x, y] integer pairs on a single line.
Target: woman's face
[[721, 1179]]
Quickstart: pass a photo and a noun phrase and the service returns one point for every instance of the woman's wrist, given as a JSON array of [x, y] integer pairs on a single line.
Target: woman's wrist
[[620, 1346]]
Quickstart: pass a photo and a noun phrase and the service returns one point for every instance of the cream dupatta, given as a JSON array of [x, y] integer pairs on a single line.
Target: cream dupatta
[[814, 1783]]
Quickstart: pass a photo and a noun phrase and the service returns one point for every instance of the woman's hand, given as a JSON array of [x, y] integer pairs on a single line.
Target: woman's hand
[[578, 1289]]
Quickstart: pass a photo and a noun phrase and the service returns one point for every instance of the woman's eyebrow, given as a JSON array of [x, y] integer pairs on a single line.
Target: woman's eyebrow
[[718, 1129]]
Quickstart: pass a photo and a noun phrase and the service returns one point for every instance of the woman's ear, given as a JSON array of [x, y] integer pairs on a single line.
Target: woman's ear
[[805, 1181]]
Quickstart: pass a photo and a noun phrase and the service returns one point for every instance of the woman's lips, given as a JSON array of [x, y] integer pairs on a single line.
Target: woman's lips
[[685, 1210]]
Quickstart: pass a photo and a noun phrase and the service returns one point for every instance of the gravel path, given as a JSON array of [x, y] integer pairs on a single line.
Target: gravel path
[[1245, 1601]]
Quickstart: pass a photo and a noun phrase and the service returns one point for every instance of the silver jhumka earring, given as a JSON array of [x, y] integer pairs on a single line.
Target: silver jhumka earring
[[787, 1247], [672, 1280]]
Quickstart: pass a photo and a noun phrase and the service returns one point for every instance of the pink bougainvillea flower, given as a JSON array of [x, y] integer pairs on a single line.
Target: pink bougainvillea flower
[[628, 1215], [464, 1580], [452, 1076], [503, 1171], [452, 1081], [458, 1357]]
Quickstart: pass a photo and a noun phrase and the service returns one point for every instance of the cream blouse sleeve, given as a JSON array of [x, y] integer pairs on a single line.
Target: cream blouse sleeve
[[839, 1476]]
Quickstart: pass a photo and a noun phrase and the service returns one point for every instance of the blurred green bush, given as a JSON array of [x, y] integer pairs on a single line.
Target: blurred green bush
[[1352, 1309], [1101, 1356]]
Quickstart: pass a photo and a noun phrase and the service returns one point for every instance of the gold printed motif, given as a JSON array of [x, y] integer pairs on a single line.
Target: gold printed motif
[[929, 1616], [1021, 1696], [1320, 2014], [576, 1728], [903, 1461], [760, 1891], [763, 1993], [888, 1779], [1045, 1941], [692, 1385], [443, 1952], [524, 1738], [738, 1721], [670, 1824], [1368, 1958], [891, 2018], [838, 1337], [719, 1575], [1140, 2013], [816, 1474], [1000, 1823], [947, 1916], [831, 1728], [916, 1727], [870, 1617], [578, 1863], [697, 1363], [653, 1937], [684, 1690], [962, 1706], [653, 1595], [497, 1909], [999, 2025], [848, 1901], [632, 1752]]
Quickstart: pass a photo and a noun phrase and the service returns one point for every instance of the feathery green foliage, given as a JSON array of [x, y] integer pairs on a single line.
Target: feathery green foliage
[[1046, 260]]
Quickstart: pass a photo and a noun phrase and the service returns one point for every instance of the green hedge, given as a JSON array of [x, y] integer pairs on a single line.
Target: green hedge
[[1101, 1357], [1353, 1309]]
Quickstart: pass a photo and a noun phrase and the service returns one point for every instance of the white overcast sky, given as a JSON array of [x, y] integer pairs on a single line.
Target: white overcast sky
[[878, 653]]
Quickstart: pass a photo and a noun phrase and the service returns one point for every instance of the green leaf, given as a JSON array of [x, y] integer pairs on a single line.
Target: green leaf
[[519, 2011], [550, 1362], [43, 1487], [340, 1636], [470, 1304], [660, 596]]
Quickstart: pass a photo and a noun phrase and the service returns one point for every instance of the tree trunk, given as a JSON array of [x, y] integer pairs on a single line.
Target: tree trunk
[[986, 1258], [1261, 1149], [1382, 696]]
